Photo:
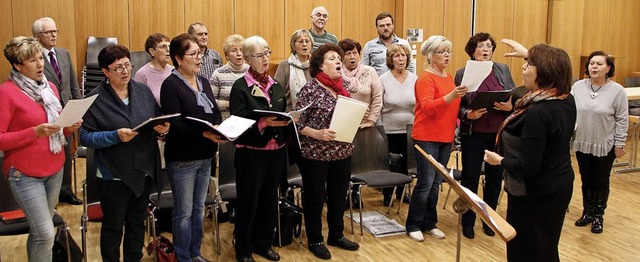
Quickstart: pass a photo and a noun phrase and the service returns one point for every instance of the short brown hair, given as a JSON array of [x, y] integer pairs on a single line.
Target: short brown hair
[[112, 53], [153, 40], [553, 66], [317, 57], [472, 44], [394, 49], [383, 15], [179, 46], [297, 35], [21, 48], [349, 44], [607, 58]]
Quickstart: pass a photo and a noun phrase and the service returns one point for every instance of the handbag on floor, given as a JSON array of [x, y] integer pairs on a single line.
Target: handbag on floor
[[163, 249], [290, 222], [60, 247]]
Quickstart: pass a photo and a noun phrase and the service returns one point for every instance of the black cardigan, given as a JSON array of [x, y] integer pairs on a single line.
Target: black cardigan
[[242, 103], [185, 141]]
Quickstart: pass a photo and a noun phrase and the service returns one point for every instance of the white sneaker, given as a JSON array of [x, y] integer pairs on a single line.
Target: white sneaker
[[437, 233], [416, 236]]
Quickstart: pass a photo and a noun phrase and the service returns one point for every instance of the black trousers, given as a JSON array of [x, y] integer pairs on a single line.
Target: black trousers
[[473, 147], [398, 145], [258, 174], [124, 212], [315, 175], [539, 224], [65, 189], [595, 172]]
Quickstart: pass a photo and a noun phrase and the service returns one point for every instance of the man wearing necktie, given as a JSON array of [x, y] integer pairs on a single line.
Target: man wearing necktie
[[59, 70]]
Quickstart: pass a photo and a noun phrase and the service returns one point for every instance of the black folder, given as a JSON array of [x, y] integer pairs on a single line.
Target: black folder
[[487, 98]]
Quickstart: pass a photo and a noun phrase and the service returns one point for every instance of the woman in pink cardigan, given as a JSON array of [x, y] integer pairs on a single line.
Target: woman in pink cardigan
[[33, 146]]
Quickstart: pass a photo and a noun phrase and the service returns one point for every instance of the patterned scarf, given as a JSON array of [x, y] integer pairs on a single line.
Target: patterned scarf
[[41, 92], [296, 74], [523, 104], [262, 78], [336, 84]]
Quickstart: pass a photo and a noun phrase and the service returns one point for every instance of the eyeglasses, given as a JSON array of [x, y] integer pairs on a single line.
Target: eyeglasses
[[484, 46], [165, 47], [50, 32], [448, 51], [121, 68], [201, 34], [196, 54], [266, 54], [303, 41], [318, 15], [525, 66]]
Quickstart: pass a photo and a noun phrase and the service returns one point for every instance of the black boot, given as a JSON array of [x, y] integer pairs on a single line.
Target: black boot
[[601, 204], [588, 205]]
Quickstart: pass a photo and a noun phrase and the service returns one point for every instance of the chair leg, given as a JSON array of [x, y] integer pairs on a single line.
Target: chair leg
[[360, 209], [446, 198], [349, 193], [393, 196]]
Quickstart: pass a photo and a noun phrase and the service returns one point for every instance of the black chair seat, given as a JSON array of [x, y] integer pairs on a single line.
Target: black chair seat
[[228, 192], [166, 200], [381, 179], [22, 228], [295, 181]]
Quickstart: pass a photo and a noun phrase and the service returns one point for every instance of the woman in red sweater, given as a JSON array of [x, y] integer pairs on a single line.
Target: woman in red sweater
[[437, 104], [32, 144]]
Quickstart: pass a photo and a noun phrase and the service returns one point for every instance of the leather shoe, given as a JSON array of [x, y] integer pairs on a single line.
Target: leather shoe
[[268, 253], [320, 250], [344, 243], [245, 259], [71, 199], [468, 232], [488, 231]]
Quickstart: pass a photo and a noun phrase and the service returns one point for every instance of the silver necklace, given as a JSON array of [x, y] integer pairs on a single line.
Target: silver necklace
[[443, 74], [594, 92]]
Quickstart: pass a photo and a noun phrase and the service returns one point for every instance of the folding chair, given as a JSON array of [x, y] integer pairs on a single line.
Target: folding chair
[[226, 189]]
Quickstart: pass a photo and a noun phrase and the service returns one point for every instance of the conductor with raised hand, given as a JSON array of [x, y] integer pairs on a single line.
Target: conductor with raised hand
[[533, 146]]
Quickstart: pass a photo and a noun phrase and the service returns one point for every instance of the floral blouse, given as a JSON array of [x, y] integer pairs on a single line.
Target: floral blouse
[[318, 116]]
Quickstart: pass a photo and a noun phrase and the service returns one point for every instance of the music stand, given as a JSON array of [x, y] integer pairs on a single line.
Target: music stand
[[468, 199]]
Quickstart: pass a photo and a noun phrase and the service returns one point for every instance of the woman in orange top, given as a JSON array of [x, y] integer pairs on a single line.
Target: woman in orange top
[[437, 104]]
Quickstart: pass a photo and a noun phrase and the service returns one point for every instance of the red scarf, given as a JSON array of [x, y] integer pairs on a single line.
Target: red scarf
[[262, 78], [525, 103], [335, 84]]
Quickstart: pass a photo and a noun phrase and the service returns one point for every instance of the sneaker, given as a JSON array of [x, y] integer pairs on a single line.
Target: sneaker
[[416, 236], [437, 233]]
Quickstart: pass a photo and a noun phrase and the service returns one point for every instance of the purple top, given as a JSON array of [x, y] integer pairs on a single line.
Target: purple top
[[491, 121]]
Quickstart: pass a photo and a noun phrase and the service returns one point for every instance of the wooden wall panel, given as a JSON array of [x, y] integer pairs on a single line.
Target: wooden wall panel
[[496, 18], [264, 18], [101, 19], [358, 18], [217, 15], [425, 15], [457, 28], [7, 22], [529, 28], [567, 30], [154, 16], [598, 13], [625, 36]]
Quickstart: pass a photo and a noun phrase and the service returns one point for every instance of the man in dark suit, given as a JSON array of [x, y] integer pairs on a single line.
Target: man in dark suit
[[59, 70]]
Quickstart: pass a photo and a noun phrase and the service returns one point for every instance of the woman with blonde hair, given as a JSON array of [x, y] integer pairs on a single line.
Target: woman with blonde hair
[[223, 77]]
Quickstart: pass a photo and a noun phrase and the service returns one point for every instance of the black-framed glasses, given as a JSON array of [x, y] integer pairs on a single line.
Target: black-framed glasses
[[51, 32], [121, 68], [196, 54], [266, 54], [318, 15]]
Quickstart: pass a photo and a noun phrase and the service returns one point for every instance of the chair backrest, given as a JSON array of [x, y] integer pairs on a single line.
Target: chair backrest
[[411, 156], [93, 195], [631, 81], [371, 152], [139, 59], [8, 202], [226, 169], [94, 45]]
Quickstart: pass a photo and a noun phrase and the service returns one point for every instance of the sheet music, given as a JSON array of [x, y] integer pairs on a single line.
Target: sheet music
[[474, 73], [347, 117], [74, 111], [483, 205]]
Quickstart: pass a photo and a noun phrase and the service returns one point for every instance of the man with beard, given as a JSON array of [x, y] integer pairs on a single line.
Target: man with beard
[[375, 51], [211, 59], [319, 19]]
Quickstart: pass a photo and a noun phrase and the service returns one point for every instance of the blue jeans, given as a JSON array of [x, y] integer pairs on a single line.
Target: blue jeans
[[37, 196], [423, 214], [189, 183]]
